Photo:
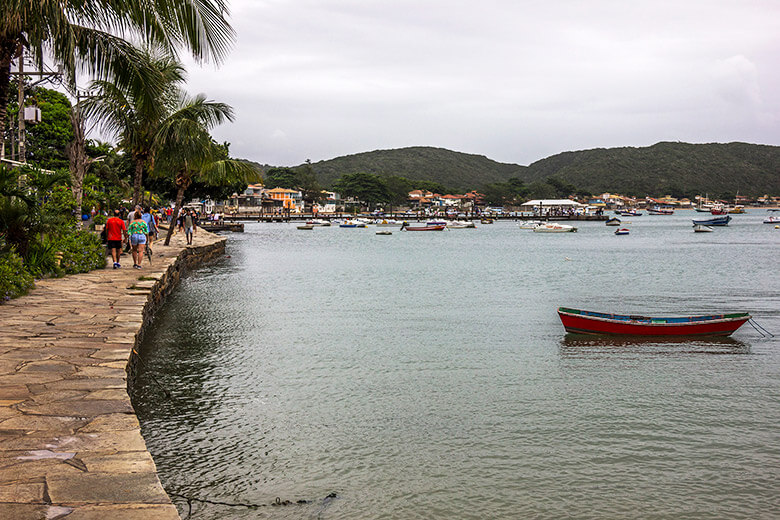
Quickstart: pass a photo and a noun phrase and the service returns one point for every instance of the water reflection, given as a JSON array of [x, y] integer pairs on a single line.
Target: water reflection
[[579, 345]]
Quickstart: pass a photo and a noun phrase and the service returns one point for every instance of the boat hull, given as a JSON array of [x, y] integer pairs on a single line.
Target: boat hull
[[717, 221], [588, 322], [423, 228], [555, 228]]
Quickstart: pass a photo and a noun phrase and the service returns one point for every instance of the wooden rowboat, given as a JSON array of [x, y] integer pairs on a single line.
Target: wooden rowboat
[[405, 227], [588, 322]]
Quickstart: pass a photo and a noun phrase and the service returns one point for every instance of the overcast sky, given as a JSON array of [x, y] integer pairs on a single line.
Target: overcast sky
[[516, 81]]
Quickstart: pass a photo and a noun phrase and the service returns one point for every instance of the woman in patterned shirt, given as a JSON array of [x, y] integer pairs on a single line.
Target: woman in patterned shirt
[[138, 231]]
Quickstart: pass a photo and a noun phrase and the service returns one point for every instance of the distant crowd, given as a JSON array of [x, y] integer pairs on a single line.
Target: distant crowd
[[135, 230]]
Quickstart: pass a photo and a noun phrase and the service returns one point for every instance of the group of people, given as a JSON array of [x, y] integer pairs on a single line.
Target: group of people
[[139, 229]]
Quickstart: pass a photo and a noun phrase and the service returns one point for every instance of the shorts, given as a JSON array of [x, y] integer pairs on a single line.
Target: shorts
[[188, 231], [114, 244], [137, 239]]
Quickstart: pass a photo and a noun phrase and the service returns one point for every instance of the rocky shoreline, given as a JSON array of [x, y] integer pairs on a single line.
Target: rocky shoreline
[[70, 442]]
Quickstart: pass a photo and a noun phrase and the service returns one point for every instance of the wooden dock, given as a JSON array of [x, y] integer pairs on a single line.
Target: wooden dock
[[236, 227], [257, 217]]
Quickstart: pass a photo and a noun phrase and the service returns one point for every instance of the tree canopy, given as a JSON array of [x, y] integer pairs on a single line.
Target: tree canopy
[[366, 187]]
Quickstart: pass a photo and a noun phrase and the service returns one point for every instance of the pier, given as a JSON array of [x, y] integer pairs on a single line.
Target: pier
[[298, 217]]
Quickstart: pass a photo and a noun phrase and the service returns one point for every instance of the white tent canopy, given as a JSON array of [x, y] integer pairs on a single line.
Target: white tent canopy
[[552, 203]]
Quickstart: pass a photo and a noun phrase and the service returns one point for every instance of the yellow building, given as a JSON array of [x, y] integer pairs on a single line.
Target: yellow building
[[292, 200]]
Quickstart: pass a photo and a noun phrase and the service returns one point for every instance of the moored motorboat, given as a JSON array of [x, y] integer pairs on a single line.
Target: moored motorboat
[[657, 210], [554, 228], [772, 220], [699, 228], [630, 213], [714, 221], [530, 224], [486, 221], [306, 226], [588, 322], [318, 222], [352, 224], [621, 231], [384, 232], [461, 224], [614, 221], [388, 223], [407, 227]]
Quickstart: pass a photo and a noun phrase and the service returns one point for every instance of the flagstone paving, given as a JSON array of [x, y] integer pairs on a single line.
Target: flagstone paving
[[70, 443]]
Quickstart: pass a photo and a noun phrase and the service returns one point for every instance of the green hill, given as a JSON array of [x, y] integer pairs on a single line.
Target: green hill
[[679, 169], [456, 170]]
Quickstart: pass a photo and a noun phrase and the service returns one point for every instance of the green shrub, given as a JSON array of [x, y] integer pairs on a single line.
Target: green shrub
[[99, 219], [14, 279], [40, 259], [82, 251]]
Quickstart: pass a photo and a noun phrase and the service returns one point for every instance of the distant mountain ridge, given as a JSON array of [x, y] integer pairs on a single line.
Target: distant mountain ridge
[[679, 169], [453, 169], [668, 168]]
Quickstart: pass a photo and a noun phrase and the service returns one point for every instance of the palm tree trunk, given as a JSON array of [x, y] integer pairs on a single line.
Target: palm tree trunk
[[177, 207], [8, 49], [78, 159], [137, 178]]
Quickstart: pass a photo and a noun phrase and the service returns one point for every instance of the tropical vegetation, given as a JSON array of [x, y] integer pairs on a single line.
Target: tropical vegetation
[[163, 145], [677, 169]]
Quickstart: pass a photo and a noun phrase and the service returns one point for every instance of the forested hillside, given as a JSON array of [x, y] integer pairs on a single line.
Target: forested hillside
[[457, 170], [678, 169]]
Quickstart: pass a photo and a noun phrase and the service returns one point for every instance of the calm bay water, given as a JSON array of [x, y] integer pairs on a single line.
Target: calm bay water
[[426, 375]]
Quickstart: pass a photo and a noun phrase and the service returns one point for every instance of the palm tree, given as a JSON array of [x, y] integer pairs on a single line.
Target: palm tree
[[133, 113], [191, 153], [88, 35]]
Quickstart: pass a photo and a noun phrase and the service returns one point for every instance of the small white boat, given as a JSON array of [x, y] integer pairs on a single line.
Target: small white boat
[[700, 228], [306, 226], [318, 222], [461, 224], [621, 231], [530, 224], [772, 220], [352, 224], [388, 223], [554, 228], [384, 232]]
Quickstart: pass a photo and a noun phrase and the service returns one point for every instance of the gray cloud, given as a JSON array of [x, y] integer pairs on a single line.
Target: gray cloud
[[513, 80]]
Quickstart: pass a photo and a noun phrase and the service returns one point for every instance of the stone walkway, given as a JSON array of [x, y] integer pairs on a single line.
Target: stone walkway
[[70, 443]]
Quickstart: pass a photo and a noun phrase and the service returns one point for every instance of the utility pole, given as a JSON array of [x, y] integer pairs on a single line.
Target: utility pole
[[20, 84], [20, 74]]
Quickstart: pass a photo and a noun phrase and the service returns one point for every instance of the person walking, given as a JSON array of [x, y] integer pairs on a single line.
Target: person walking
[[189, 226], [138, 233], [116, 231], [151, 223]]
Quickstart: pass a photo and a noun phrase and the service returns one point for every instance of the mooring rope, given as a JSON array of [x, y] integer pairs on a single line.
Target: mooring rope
[[761, 330], [151, 374], [276, 503]]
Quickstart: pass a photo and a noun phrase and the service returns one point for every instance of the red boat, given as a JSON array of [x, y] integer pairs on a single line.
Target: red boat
[[405, 227], [588, 322]]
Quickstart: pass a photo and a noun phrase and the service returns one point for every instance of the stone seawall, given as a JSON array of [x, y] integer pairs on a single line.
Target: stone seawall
[[70, 443]]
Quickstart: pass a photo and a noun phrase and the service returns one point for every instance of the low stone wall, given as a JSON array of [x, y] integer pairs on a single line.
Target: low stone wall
[[189, 259], [70, 443]]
